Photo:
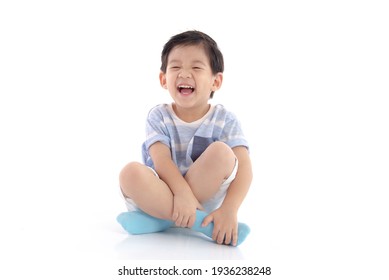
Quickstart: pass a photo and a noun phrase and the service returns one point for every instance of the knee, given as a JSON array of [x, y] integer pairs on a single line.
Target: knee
[[129, 175], [221, 152]]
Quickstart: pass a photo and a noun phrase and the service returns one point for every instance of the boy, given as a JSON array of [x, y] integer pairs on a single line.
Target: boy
[[196, 157]]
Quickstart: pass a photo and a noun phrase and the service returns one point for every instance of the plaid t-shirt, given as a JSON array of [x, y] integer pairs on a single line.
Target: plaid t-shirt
[[187, 141]]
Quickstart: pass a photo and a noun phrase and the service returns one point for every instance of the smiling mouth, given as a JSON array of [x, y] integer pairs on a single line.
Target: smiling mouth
[[184, 89]]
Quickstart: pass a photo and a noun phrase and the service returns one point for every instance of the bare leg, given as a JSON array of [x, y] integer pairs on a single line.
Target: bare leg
[[205, 176], [154, 197], [149, 192], [208, 172]]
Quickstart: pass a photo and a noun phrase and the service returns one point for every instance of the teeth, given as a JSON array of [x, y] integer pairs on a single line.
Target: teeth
[[185, 87]]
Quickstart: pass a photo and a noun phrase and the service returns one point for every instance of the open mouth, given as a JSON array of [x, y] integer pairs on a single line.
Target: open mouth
[[185, 89]]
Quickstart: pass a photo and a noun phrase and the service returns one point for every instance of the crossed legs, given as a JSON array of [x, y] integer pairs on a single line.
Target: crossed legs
[[155, 198]]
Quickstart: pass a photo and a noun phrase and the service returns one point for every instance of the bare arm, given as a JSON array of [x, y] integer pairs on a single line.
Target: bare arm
[[240, 185], [184, 203]]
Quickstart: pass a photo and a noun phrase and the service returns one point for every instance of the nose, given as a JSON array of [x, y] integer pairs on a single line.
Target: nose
[[184, 74]]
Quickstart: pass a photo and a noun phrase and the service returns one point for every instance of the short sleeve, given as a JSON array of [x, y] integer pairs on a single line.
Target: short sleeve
[[232, 133], [156, 129]]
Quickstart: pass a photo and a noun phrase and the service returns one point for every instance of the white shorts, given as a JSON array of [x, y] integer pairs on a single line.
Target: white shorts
[[209, 206]]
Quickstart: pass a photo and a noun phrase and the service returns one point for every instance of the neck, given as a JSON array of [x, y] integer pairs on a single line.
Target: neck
[[192, 114]]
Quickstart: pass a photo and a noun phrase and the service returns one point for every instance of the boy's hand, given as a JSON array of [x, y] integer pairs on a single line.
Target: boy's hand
[[225, 229], [184, 209]]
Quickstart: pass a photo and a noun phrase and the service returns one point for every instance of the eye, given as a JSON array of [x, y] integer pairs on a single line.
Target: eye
[[197, 68]]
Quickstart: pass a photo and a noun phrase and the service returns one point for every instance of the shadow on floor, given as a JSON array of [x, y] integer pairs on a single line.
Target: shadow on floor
[[174, 244]]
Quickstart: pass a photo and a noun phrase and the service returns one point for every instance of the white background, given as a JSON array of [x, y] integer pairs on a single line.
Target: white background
[[308, 80]]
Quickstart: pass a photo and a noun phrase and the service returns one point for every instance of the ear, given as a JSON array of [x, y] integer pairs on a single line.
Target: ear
[[217, 83], [162, 80]]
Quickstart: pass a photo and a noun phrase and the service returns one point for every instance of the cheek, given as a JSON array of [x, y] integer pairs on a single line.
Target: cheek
[[171, 80], [171, 86]]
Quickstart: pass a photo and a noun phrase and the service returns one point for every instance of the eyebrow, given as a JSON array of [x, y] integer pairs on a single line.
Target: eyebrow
[[194, 61]]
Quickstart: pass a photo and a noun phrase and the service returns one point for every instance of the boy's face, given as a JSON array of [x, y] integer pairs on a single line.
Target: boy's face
[[189, 77]]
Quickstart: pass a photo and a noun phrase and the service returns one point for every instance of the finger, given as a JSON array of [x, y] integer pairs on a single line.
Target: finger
[[178, 221], [235, 237], [175, 216], [215, 233], [184, 222], [207, 220], [191, 221], [220, 238], [227, 239]]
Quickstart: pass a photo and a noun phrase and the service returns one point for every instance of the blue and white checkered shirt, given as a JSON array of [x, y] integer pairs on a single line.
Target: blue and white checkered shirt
[[187, 141]]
